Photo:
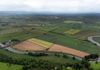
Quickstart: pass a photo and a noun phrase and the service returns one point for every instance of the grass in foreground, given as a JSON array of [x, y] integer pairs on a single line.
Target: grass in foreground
[[95, 66], [6, 66]]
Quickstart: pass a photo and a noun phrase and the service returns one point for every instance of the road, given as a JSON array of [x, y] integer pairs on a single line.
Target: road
[[15, 51], [94, 42]]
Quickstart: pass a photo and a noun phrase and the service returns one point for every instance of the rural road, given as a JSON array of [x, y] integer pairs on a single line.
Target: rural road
[[15, 51], [93, 41]]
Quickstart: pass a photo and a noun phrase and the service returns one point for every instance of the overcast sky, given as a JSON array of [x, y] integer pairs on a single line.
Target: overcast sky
[[57, 6]]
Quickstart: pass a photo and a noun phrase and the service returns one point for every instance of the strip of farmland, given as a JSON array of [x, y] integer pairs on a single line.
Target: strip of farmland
[[59, 48], [33, 45], [28, 46], [42, 43]]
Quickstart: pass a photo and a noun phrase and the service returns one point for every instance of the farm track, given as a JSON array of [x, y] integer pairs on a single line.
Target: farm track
[[93, 41], [15, 51]]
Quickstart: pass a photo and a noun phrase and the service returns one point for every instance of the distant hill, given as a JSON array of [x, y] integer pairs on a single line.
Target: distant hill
[[9, 13]]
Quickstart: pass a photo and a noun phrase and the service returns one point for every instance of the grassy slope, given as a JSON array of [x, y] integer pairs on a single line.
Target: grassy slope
[[6, 66], [70, 42], [50, 58]]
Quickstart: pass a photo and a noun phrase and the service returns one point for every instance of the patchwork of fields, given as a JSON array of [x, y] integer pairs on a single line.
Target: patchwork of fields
[[41, 45]]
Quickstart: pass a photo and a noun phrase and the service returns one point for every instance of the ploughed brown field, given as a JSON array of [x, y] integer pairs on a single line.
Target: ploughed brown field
[[59, 48], [31, 46]]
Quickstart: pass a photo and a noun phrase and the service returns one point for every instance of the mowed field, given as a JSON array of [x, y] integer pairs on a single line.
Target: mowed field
[[41, 45]]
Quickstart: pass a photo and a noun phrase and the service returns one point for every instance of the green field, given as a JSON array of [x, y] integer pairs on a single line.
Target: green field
[[71, 42], [95, 66], [23, 35], [7, 66]]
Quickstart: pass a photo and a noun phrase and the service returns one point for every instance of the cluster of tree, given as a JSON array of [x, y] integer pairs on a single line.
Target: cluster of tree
[[37, 54], [92, 57], [83, 65], [15, 40]]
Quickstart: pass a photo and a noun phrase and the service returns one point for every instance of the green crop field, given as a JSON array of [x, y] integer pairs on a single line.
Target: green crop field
[[7, 66], [71, 42], [19, 35]]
